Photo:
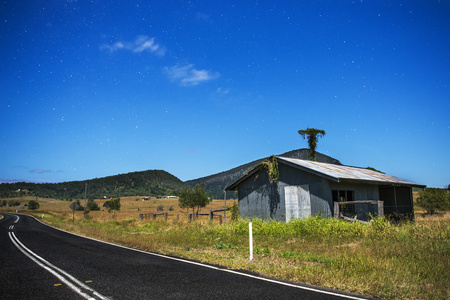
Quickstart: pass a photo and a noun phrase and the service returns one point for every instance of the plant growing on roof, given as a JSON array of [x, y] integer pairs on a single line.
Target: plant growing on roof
[[312, 134], [373, 169], [271, 165]]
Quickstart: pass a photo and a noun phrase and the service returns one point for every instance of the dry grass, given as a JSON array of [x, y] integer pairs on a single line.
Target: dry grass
[[131, 207], [380, 259]]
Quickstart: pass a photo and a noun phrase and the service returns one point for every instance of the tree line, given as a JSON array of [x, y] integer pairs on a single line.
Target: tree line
[[149, 183]]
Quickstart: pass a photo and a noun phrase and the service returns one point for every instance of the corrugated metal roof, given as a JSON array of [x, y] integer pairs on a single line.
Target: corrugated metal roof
[[346, 173]]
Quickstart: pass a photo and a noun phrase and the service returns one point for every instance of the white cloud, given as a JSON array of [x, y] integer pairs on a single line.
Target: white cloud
[[203, 17], [40, 171], [222, 91], [141, 43], [187, 75], [114, 47]]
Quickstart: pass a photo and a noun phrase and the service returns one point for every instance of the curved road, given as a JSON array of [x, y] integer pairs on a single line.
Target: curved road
[[40, 262]]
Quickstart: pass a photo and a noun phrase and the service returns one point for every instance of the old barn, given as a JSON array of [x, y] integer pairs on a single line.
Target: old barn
[[287, 188]]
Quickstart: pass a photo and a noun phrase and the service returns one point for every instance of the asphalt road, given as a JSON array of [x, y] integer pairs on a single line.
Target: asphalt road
[[41, 262]]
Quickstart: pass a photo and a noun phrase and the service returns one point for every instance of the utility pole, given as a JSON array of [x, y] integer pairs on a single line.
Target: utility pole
[[225, 204], [85, 192]]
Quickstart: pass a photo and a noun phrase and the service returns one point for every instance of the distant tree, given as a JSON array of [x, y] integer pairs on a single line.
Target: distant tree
[[194, 198], [4, 203], [12, 203], [312, 134], [33, 204], [112, 205], [79, 206], [91, 205], [433, 199]]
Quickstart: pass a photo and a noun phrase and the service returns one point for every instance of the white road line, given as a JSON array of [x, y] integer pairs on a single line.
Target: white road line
[[219, 269], [70, 281], [17, 220]]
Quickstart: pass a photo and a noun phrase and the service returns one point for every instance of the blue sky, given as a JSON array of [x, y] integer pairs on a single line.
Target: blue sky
[[97, 88]]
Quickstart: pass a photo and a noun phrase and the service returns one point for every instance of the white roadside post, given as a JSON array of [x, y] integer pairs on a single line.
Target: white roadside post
[[250, 234]]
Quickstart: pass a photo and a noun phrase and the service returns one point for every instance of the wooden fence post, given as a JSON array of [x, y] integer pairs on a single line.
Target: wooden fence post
[[380, 208], [336, 210]]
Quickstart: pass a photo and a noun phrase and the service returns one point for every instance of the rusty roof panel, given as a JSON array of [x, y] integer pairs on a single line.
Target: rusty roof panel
[[343, 173]]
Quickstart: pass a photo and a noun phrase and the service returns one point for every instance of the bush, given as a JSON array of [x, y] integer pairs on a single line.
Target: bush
[[112, 205], [234, 212], [160, 207], [32, 204], [13, 203], [91, 205], [433, 199], [79, 207]]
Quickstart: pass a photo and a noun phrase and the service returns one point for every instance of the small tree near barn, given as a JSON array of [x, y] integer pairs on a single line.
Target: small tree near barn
[[194, 198]]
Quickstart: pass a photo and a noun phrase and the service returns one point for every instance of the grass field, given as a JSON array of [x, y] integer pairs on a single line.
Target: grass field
[[391, 261], [131, 207]]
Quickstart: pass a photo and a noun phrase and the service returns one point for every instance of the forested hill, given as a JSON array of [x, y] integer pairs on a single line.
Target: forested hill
[[144, 183], [217, 182]]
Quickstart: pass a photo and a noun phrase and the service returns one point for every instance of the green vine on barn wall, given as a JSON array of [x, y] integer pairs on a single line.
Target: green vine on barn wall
[[271, 165]]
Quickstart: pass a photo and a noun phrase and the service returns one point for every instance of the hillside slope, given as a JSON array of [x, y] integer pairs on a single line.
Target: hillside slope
[[217, 182], [143, 183]]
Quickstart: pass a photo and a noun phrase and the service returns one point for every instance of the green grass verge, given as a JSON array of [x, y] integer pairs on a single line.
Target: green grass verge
[[379, 259]]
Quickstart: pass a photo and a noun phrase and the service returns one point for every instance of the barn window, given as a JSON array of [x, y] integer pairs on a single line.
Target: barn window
[[343, 196]]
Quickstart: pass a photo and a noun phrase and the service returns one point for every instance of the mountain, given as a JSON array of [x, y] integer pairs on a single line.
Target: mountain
[[144, 183], [217, 182]]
